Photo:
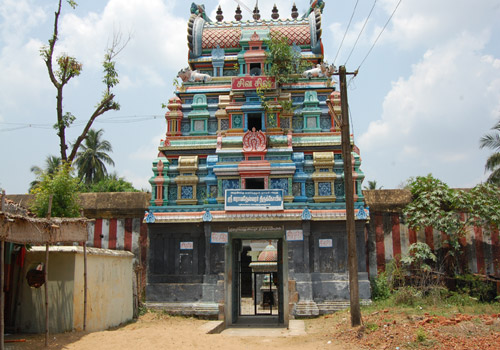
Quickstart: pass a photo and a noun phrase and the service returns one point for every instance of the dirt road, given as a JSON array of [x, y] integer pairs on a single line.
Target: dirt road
[[385, 329]]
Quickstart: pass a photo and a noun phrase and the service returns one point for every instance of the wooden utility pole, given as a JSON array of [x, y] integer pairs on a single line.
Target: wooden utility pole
[[46, 276], [2, 281], [352, 256]]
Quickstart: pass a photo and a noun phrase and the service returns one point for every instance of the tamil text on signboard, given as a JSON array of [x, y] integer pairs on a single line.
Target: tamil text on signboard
[[254, 200]]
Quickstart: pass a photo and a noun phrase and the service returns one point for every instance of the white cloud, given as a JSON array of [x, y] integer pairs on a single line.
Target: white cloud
[[427, 21], [150, 150], [432, 120], [23, 75], [17, 18], [158, 38]]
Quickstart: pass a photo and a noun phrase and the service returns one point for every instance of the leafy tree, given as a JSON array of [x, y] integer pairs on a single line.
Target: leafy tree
[[52, 164], [111, 183], [63, 70], [91, 160], [492, 141], [282, 61], [436, 205], [372, 185], [63, 187]]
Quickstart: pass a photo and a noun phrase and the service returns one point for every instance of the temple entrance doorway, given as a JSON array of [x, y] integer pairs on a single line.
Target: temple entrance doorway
[[258, 281]]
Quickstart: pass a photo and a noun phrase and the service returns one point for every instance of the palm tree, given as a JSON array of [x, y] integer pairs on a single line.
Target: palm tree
[[52, 164], [492, 141], [372, 185], [91, 158]]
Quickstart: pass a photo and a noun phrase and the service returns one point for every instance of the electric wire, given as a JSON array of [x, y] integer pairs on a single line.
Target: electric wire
[[361, 31], [109, 120], [375, 42], [346, 30]]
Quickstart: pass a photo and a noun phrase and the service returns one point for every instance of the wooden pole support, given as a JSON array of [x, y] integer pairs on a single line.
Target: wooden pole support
[[352, 256]]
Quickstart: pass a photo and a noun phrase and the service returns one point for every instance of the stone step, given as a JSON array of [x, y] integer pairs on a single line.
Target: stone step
[[329, 307], [306, 308], [187, 309]]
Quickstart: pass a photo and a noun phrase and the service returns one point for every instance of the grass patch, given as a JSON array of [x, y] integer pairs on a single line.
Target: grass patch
[[440, 303]]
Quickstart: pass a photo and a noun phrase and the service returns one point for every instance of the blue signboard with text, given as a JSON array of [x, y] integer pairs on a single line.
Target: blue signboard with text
[[253, 200]]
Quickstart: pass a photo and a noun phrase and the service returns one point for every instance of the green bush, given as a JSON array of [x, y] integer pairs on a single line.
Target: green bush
[[380, 287], [476, 287], [64, 190], [407, 296]]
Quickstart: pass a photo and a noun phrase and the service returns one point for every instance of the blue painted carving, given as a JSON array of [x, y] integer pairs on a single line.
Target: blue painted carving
[[218, 54], [150, 218], [296, 53], [280, 183], [207, 217], [224, 124], [306, 214], [325, 122], [186, 192], [172, 193], [201, 193], [298, 99], [230, 72], [237, 121], [297, 122], [230, 184], [362, 214], [322, 98], [324, 188], [339, 189], [297, 189], [212, 126], [309, 189], [285, 123], [213, 101], [337, 156], [185, 127], [213, 191]]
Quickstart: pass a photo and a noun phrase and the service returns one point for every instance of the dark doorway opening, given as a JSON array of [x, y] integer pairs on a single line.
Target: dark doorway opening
[[254, 183], [246, 273], [259, 279], [255, 121], [255, 69]]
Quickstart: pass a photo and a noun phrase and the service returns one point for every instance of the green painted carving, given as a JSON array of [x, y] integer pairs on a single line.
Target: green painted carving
[[237, 121], [272, 120]]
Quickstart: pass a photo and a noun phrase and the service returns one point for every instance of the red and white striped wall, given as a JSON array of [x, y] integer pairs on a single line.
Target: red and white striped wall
[[129, 234], [389, 238]]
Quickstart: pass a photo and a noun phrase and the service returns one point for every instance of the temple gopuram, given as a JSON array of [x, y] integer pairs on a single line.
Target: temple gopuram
[[247, 217]]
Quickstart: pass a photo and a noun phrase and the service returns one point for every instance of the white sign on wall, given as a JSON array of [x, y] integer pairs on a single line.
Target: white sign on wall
[[294, 235], [186, 246], [219, 237], [326, 243]]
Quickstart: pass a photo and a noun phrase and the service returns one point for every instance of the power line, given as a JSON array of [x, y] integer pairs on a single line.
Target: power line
[[110, 120], [373, 45], [346, 30], [359, 35]]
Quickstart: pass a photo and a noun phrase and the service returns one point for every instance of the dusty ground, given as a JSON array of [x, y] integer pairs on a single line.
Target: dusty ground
[[382, 329]]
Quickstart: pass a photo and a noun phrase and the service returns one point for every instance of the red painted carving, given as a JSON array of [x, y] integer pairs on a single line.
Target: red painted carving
[[254, 141]]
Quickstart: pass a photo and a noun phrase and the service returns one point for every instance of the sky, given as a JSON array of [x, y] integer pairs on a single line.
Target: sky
[[423, 97]]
